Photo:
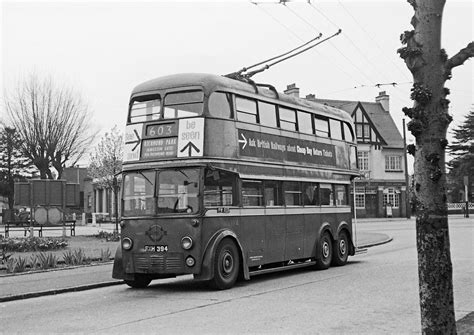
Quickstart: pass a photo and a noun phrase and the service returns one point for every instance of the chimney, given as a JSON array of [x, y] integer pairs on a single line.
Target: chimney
[[311, 97], [292, 90], [383, 99]]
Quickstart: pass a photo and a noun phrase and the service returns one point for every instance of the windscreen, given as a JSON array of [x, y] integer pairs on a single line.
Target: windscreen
[[147, 193], [139, 194]]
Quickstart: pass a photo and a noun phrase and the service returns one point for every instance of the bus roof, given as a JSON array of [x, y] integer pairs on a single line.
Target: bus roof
[[212, 82]]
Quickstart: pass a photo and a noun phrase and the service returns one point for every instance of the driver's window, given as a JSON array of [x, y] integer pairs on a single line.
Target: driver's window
[[178, 191]]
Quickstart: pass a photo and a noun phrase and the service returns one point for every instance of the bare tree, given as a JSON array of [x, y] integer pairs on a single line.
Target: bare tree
[[13, 165], [106, 164], [431, 67], [52, 121]]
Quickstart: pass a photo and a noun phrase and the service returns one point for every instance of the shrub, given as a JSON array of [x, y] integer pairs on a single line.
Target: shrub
[[34, 261], [109, 237], [11, 265], [32, 244], [21, 264], [47, 261], [105, 255]]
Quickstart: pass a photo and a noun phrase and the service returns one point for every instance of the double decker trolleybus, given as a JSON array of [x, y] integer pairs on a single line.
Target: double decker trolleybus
[[225, 179]]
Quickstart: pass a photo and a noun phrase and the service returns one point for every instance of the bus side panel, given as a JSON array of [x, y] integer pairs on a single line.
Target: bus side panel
[[275, 232], [332, 220], [253, 238], [311, 230], [294, 237]]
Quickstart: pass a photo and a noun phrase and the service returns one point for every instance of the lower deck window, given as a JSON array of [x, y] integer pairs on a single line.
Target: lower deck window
[[218, 188], [252, 193]]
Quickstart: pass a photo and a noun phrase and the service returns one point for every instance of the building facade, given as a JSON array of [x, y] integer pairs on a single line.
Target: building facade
[[381, 191]]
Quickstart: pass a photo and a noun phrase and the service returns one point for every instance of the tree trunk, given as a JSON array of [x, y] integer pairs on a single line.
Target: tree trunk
[[429, 123]]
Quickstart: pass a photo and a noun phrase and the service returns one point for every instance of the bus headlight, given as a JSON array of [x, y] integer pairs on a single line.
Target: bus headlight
[[186, 243], [190, 261], [127, 243]]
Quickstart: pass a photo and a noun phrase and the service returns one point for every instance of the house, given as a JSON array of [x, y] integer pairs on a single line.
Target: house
[[381, 191]]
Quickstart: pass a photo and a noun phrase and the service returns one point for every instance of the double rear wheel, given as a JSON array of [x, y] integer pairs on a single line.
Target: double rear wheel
[[332, 253]]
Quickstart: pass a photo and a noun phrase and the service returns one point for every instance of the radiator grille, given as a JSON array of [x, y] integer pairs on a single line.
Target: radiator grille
[[159, 263]]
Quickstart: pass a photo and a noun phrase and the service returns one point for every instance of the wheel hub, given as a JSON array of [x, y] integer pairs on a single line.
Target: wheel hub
[[227, 263], [326, 249], [342, 247]]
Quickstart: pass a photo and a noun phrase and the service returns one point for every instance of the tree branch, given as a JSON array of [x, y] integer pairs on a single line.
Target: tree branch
[[460, 57]]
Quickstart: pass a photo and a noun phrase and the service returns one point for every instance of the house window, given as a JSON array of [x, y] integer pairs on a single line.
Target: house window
[[393, 163], [360, 197], [363, 158], [391, 197]]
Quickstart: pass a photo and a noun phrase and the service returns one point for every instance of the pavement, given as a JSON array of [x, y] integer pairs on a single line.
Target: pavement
[[55, 281]]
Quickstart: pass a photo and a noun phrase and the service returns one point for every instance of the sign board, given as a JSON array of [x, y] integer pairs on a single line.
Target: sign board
[[182, 138], [191, 137], [159, 147], [132, 145], [260, 145]]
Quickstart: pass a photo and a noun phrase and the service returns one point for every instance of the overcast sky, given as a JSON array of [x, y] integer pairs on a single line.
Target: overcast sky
[[104, 49]]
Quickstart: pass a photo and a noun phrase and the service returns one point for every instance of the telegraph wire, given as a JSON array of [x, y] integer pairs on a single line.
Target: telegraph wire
[[351, 41], [278, 21], [299, 38], [373, 39], [332, 44]]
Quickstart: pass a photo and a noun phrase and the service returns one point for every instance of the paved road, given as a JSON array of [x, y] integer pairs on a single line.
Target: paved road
[[375, 293]]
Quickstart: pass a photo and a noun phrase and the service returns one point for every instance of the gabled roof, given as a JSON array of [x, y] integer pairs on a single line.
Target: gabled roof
[[381, 119]]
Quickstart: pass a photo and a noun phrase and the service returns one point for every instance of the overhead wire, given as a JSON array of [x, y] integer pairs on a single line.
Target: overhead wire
[[346, 36], [396, 89], [332, 44], [373, 39], [294, 34]]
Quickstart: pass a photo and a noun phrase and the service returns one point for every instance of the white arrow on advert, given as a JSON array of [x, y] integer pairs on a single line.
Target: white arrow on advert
[[244, 141]]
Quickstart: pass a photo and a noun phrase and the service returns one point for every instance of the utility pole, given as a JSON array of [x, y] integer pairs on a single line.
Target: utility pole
[[405, 156]]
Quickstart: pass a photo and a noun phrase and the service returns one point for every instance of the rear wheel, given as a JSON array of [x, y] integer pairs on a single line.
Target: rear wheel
[[341, 249], [226, 265], [324, 256], [140, 281]]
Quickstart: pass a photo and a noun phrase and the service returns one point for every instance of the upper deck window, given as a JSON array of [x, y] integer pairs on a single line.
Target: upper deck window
[[336, 129], [145, 108], [219, 105], [246, 109], [304, 123], [322, 127], [287, 119], [348, 134], [267, 114], [183, 104]]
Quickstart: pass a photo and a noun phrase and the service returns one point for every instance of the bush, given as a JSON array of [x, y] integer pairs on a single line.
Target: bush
[[47, 261], [109, 237], [32, 244]]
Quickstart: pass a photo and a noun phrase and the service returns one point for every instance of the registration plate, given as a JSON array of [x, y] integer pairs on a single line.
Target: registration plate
[[156, 248]]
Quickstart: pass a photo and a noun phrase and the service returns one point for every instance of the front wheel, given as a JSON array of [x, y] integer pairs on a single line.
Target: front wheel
[[324, 257], [140, 281], [226, 265], [341, 249]]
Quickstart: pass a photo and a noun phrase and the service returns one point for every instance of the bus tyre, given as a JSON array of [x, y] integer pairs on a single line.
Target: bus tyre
[[140, 281], [324, 252], [226, 265], [341, 249]]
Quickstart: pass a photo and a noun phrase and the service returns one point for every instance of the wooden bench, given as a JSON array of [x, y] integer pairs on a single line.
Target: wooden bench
[[26, 226]]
